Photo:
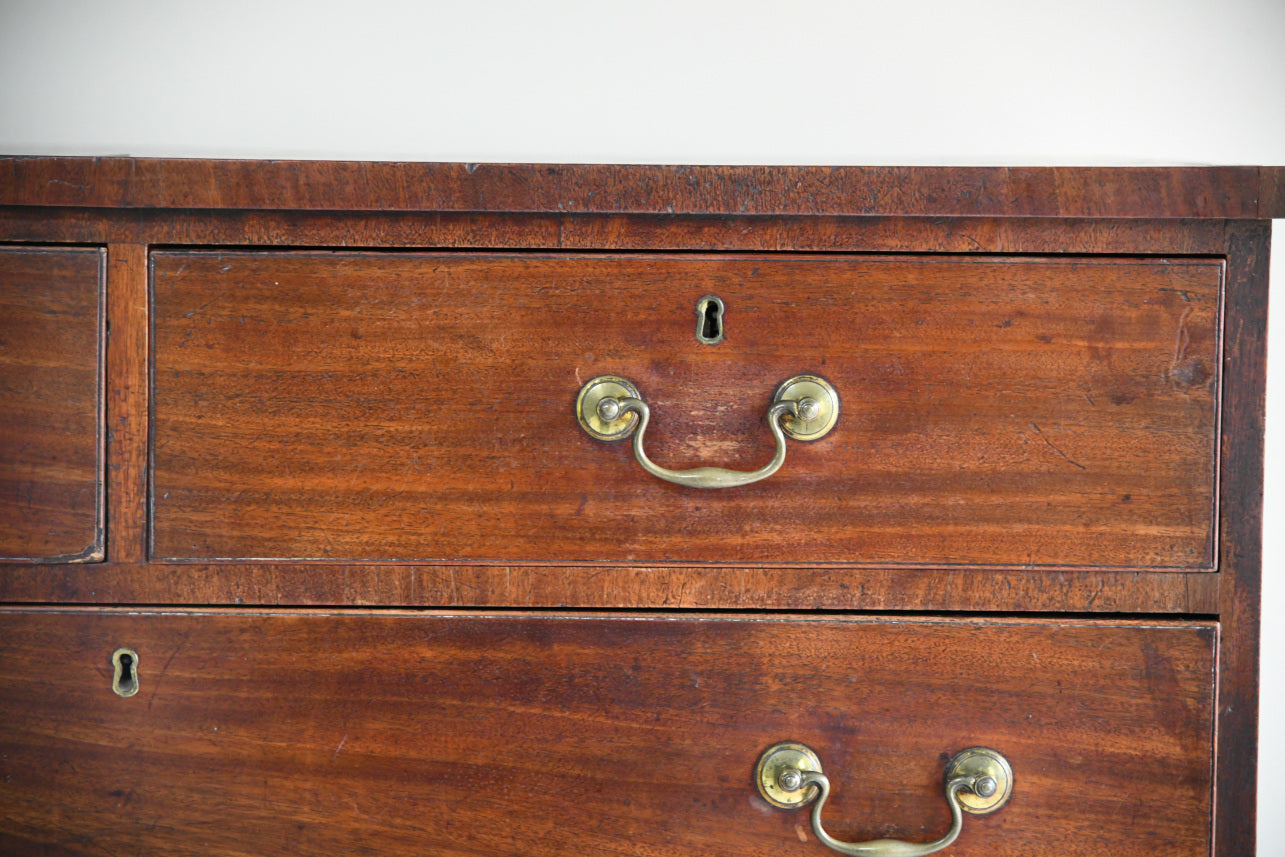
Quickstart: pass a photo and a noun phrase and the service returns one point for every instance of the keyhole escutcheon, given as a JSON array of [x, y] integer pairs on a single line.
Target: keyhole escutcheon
[[125, 677], [709, 320]]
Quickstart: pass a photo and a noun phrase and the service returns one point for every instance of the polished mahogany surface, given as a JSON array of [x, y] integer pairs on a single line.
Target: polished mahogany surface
[[51, 469], [283, 405], [391, 733], [347, 406]]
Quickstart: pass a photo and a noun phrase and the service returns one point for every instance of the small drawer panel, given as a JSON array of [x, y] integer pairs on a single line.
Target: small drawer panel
[[417, 406], [51, 493], [307, 733]]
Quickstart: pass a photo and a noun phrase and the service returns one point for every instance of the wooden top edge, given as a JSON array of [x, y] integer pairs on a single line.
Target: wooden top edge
[[1224, 192], [1271, 194]]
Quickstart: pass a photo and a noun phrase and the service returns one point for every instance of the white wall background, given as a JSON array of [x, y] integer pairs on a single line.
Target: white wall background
[[908, 82]]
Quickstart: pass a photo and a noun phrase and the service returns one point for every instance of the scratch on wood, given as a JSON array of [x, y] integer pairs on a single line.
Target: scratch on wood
[[67, 184], [1068, 459], [1183, 338], [203, 306], [157, 684]]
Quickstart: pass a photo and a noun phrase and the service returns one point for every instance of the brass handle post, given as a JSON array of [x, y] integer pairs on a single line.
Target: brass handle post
[[805, 408]]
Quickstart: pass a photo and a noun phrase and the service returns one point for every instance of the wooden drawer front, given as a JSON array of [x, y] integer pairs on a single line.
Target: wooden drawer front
[[50, 410], [414, 734], [1005, 411]]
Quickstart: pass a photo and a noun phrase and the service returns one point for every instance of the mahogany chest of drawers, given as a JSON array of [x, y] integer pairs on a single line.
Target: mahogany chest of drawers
[[485, 509]]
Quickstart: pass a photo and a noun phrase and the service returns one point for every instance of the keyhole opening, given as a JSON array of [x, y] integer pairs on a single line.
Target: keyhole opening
[[125, 678], [709, 320]]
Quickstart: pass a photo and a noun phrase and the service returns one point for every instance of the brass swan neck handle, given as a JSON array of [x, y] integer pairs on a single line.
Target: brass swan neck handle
[[978, 780], [708, 477], [610, 408]]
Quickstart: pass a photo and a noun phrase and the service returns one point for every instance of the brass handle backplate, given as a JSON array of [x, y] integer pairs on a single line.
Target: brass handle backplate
[[978, 781], [803, 408]]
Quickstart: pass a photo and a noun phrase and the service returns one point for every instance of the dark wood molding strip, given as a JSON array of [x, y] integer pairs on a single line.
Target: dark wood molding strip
[[546, 587], [1104, 192], [127, 402], [612, 232], [1241, 519]]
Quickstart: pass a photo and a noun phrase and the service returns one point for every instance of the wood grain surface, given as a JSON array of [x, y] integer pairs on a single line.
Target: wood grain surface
[[129, 373], [322, 424], [420, 406], [1241, 560], [349, 733], [541, 587], [1139, 192], [720, 232], [51, 467]]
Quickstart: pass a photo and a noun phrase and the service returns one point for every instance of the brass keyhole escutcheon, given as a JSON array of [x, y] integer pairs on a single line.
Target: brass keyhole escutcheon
[[125, 676], [709, 320]]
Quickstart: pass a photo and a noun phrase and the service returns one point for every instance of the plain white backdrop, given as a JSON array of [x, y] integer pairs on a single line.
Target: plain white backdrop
[[983, 82]]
